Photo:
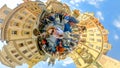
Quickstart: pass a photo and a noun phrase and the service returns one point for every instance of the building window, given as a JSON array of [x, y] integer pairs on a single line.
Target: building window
[[1, 20], [13, 51], [36, 51], [90, 30], [84, 35], [98, 34], [16, 55], [20, 58], [83, 40], [37, 57], [28, 27], [30, 21], [91, 39], [16, 24], [29, 42], [6, 12], [14, 32], [7, 57], [106, 46], [96, 30], [29, 56], [35, 8], [98, 48], [98, 40], [91, 45], [32, 9], [25, 51], [27, 32], [20, 18], [33, 47], [10, 61], [21, 45], [25, 13], [33, 18], [91, 34]]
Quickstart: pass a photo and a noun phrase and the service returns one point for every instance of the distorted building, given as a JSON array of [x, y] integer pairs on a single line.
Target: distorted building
[[108, 62], [54, 4], [18, 31], [4, 11]]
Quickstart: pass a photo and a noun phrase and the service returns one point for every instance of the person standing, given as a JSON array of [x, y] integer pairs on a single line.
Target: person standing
[[67, 27]]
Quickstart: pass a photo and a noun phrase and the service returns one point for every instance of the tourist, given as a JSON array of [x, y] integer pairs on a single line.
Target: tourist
[[67, 26]]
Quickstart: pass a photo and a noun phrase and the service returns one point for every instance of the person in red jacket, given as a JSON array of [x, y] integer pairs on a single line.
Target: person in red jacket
[[60, 48]]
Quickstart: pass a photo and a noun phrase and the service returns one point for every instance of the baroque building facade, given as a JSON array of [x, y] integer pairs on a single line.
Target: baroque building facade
[[18, 31]]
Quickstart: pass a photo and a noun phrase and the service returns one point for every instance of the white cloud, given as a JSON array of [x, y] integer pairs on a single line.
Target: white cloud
[[13, 3], [2, 44], [95, 2], [117, 22], [23, 66], [77, 5], [99, 15], [72, 2], [76, 1], [67, 61], [116, 37], [3, 66], [10, 3], [91, 2]]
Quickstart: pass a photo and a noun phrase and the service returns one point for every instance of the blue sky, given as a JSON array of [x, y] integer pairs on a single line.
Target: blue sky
[[107, 11]]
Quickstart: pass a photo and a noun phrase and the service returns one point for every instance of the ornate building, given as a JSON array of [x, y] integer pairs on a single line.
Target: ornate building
[[4, 11], [54, 4], [107, 62], [18, 30], [94, 41]]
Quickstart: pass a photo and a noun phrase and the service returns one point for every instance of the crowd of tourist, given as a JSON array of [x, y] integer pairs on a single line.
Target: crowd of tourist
[[56, 33]]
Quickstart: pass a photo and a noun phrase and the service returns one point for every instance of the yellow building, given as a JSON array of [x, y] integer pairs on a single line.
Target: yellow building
[[4, 11], [107, 62], [18, 30], [54, 4], [19, 52], [21, 21], [76, 13], [93, 41]]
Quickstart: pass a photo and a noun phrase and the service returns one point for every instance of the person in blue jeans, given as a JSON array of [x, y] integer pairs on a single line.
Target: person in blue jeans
[[67, 27]]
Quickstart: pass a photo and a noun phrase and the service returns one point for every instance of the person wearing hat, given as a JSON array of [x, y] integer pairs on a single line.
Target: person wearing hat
[[67, 27]]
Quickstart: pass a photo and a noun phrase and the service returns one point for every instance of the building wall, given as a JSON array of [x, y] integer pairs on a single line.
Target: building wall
[[19, 52], [22, 46], [53, 6], [108, 62], [96, 34], [21, 21], [93, 41], [4, 11], [18, 32], [7, 59]]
